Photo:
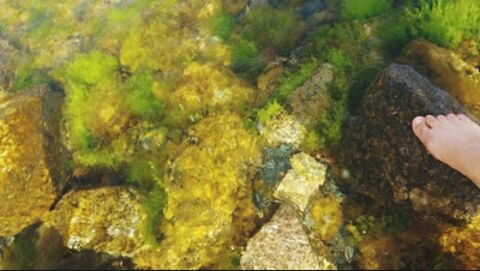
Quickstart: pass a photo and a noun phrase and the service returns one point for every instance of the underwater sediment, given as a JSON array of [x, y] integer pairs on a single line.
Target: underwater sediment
[[234, 134]]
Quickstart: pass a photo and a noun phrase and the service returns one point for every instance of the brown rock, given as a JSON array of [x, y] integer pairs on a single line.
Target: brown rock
[[31, 160], [282, 244], [446, 70], [8, 62], [390, 164], [105, 220], [310, 100]]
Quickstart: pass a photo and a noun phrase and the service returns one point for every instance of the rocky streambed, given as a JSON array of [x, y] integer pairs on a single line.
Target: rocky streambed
[[202, 144]]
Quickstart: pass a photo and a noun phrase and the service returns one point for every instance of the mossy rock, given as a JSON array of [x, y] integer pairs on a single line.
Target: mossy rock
[[33, 163], [386, 160]]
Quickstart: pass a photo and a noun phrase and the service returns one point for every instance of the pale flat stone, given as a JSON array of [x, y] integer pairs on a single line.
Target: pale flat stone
[[282, 244], [284, 129], [104, 219], [301, 182]]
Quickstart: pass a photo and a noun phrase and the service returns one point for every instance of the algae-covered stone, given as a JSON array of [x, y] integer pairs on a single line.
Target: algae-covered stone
[[310, 100], [302, 181], [463, 242], [8, 62], [447, 70], [389, 163], [105, 220], [32, 165], [283, 129], [282, 244], [209, 207]]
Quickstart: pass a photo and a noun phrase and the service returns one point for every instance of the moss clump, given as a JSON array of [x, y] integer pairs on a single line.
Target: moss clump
[[140, 98], [203, 221], [268, 112], [444, 22], [94, 109], [278, 28], [223, 25], [327, 215], [364, 9], [246, 58], [293, 79]]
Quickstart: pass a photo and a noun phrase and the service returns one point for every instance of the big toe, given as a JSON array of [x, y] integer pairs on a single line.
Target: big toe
[[421, 129]]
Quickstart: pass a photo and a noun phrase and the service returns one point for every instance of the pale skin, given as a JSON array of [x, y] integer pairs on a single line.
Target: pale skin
[[452, 139]]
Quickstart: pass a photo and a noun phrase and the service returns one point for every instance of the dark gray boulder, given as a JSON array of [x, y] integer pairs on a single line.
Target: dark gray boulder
[[387, 162]]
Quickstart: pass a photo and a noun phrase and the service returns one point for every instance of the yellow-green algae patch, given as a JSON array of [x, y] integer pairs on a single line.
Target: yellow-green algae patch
[[209, 201]]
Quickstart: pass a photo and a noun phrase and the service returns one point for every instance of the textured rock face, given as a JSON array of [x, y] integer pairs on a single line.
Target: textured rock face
[[389, 162], [446, 70], [301, 182], [282, 244], [311, 99], [8, 58], [105, 220], [283, 129], [29, 150]]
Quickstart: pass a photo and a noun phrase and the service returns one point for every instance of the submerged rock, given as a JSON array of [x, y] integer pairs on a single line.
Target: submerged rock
[[310, 100], [463, 243], [389, 163], [105, 220], [301, 182], [209, 208], [8, 59], [32, 160], [282, 244], [447, 70], [283, 129]]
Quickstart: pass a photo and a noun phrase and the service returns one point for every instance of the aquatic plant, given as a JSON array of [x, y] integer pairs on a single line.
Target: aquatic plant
[[269, 111], [278, 27], [140, 98], [94, 109], [246, 58], [364, 9], [203, 221], [444, 22], [295, 78], [223, 25]]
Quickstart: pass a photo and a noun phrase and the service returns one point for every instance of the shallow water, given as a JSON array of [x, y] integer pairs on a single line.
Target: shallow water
[[188, 134]]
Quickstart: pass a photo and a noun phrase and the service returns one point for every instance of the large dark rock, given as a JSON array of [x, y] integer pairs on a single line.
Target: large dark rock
[[387, 161]]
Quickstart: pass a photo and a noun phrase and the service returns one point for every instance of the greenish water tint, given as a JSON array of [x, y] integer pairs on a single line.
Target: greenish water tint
[[140, 76]]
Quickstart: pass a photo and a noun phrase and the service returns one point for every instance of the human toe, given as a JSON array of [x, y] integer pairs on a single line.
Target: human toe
[[453, 118], [431, 121], [421, 129], [464, 118]]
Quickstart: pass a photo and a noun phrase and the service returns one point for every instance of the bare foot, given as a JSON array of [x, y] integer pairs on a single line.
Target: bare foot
[[452, 139]]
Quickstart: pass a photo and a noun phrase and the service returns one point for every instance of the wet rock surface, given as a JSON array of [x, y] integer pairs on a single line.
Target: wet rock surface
[[311, 99], [8, 62], [447, 70], [388, 161], [301, 182], [106, 220], [282, 244], [32, 170]]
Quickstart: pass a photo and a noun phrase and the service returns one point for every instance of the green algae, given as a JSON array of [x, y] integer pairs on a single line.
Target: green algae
[[365, 9], [278, 28], [446, 23], [169, 65], [293, 79]]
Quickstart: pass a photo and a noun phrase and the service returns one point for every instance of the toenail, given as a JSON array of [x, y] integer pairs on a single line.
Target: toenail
[[418, 120]]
